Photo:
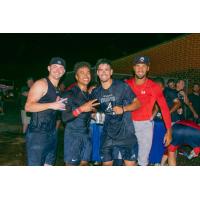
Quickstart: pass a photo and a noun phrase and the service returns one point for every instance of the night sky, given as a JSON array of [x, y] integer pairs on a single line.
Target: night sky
[[24, 55]]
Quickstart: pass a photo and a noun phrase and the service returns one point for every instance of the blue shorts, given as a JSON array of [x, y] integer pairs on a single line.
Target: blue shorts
[[96, 134], [119, 152], [157, 148], [77, 148], [41, 148]]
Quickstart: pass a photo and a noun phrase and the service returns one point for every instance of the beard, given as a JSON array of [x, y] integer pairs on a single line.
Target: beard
[[104, 79], [140, 77]]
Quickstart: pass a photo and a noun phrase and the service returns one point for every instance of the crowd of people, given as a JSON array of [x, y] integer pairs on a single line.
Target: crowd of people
[[134, 122]]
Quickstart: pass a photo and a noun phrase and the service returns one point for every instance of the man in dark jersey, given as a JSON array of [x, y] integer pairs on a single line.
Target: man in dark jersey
[[171, 84], [194, 98], [116, 101], [148, 92], [44, 101], [185, 102], [77, 143]]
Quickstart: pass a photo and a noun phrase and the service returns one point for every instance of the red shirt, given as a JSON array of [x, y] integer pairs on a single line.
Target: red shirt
[[148, 93]]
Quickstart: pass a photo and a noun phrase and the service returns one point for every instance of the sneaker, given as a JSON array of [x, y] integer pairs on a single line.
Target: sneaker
[[192, 155], [157, 164], [183, 153], [96, 163]]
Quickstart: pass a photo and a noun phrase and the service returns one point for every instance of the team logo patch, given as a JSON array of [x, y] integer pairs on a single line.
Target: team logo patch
[[133, 156], [142, 59], [59, 62], [143, 92]]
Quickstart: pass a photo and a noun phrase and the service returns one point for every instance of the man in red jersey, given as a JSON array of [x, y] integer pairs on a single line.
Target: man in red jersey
[[148, 92]]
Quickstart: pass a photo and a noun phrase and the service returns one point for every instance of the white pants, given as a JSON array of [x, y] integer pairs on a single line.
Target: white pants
[[144, 134]]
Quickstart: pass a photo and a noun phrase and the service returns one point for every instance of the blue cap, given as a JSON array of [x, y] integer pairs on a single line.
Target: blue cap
[[57, 60], [142, 60]]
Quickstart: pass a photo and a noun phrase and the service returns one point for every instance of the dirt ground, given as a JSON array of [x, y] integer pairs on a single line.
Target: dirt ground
[[12, 142]]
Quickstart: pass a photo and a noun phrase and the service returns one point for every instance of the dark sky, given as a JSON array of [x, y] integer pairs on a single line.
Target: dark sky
[[24, 55]]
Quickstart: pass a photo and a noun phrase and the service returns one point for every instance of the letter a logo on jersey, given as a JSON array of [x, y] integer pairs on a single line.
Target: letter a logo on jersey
[[109, 108]]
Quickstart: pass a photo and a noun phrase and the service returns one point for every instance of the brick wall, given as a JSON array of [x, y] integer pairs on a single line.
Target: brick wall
[[179, 58]]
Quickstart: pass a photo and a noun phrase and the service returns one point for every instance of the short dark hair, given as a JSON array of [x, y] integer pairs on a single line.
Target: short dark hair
[[103, 61], [30, 78], [196, 84], [170, 81], [81, 64], [159, 80], [179, 80]]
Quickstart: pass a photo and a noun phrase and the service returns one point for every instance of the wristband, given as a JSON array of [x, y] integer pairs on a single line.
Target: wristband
[[77, 112]]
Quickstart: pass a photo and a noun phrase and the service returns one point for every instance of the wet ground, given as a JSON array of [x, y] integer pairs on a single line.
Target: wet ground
[[12, 142]]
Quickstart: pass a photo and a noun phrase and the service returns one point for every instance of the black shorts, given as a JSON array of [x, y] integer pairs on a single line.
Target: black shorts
[[41, 147], [111, 153], [77, 148]]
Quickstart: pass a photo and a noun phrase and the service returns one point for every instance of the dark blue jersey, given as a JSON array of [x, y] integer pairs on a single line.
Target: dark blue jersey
[[118, 129], [182, 109], [76, 98], [195, 100], [170, 96]]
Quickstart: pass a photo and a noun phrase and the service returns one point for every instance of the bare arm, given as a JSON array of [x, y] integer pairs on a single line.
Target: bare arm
[[189, 104], [69, 114], [155, 111], [37, 91], [176, 105], [135, 104], [193, 111]]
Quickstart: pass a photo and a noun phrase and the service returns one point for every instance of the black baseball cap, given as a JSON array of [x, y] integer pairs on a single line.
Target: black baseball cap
[[142, 60], [57, 60]]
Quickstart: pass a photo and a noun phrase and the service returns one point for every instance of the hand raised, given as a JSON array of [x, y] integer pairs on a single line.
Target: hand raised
[[59, 105], [89, 106]]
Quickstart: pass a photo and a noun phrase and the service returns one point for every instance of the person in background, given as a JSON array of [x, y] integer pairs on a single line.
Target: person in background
[[171, 84], [185, 102], [194, 99], [25, 116]]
